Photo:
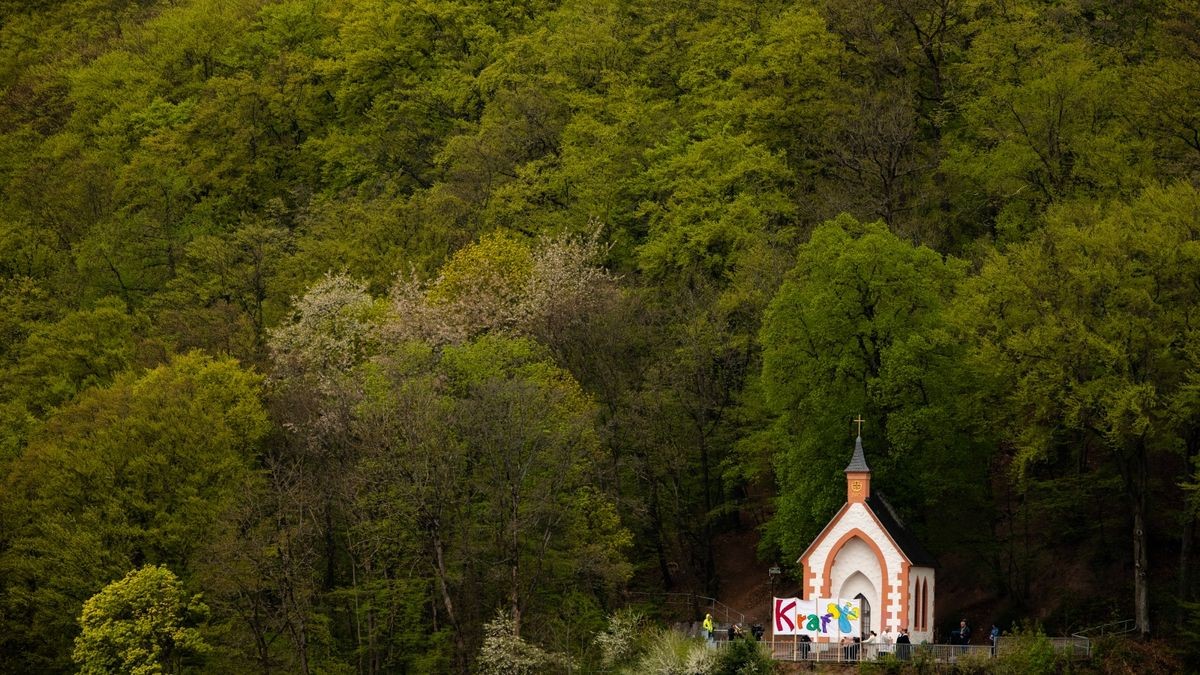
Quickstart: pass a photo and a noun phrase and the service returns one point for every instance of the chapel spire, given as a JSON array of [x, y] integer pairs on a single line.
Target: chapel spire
[[858, 462], [858, 474]]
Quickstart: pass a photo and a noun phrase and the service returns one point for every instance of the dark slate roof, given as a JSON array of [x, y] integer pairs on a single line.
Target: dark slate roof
[[891, 522], [858, 462]]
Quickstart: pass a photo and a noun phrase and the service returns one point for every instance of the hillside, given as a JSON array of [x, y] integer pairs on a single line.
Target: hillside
[[373, 336]]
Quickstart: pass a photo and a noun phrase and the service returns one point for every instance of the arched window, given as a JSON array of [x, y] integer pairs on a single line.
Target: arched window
[[924, 604]]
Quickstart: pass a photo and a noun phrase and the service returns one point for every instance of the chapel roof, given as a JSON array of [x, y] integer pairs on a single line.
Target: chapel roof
[[859, 461], [884, 513], [908, 543]]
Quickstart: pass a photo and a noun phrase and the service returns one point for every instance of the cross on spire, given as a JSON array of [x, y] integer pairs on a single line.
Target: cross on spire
[[858, 463]]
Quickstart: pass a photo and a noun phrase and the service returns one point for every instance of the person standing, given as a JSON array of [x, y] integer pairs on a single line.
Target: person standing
[[993, 636], [964, 634], [903, 644], [708, 628], [886, 641]]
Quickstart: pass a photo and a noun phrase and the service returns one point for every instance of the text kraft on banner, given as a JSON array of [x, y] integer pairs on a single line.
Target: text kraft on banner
[[823, 617]]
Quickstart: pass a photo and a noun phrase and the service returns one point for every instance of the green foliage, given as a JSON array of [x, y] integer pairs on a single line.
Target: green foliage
[[1107, 286], [860, 326], [619, 642], [1046, 126], [250, 178], [710, 203], [745, 657], [498, 263], [139, 624], [83, 349], [137, 472], [670, 652], [1090, 324], [1027, 650]]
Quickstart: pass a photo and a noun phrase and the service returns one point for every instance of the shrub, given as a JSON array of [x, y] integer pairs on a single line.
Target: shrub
[[1027, 651], [744, 657], [621, 641]]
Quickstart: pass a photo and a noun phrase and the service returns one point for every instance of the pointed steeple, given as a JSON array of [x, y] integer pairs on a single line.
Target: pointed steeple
[[858, 463], [858, 474]]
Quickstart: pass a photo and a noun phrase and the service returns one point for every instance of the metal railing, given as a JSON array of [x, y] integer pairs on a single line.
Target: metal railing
[[784, 649], [1075, 647], [1111, 628], [832, 652], [721, 611], [693, 604]]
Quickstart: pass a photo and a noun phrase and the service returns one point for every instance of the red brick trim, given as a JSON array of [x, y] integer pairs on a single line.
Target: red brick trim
[[837, 547]]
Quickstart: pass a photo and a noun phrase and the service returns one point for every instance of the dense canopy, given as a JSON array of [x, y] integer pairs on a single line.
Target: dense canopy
[[391, 329]]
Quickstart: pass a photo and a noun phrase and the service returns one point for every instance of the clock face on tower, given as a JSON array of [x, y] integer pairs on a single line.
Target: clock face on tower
[[856, 486]]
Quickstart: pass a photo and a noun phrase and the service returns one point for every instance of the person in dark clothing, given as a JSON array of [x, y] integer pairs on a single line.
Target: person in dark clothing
[[903, 645], [757, 631], [964, 634]]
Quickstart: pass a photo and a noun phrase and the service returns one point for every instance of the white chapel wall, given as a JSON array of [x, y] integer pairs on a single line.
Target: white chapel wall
[[857, 558], [857, 516], [917, 577], [857, 584]]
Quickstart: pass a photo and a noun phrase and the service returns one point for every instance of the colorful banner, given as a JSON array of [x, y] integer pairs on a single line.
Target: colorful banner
[[823, 617]]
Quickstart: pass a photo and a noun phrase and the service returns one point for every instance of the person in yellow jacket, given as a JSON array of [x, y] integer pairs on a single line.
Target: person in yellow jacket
[[708, 627]]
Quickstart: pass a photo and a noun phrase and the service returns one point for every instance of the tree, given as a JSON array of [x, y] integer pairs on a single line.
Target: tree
[[138, 625], [1093, 324], [1165, 107], [333, 330], [501, 284], [1041, 123], [531, 429], [223, 296], [83, 349], [415, 501], [505, 653], [138, 472], [770, 71], [710, 205], [479, 462], [421, 433], [860, 326]]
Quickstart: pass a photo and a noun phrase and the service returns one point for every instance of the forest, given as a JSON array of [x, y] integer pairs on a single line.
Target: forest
[[349, 334]]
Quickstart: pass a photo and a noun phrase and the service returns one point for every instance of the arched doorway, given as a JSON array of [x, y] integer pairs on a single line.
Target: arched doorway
[[859, 587], [865, 616]]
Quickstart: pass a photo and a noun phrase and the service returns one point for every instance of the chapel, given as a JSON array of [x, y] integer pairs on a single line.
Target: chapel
[[866, 553]]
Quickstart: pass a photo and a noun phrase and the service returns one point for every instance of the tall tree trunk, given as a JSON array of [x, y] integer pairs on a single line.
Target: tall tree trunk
[[657, 525], [1185, 555], [1141, 565], [515, 592], [1186, 535], [330, 547], [460, 644], [710, 561], [1141, 559]]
